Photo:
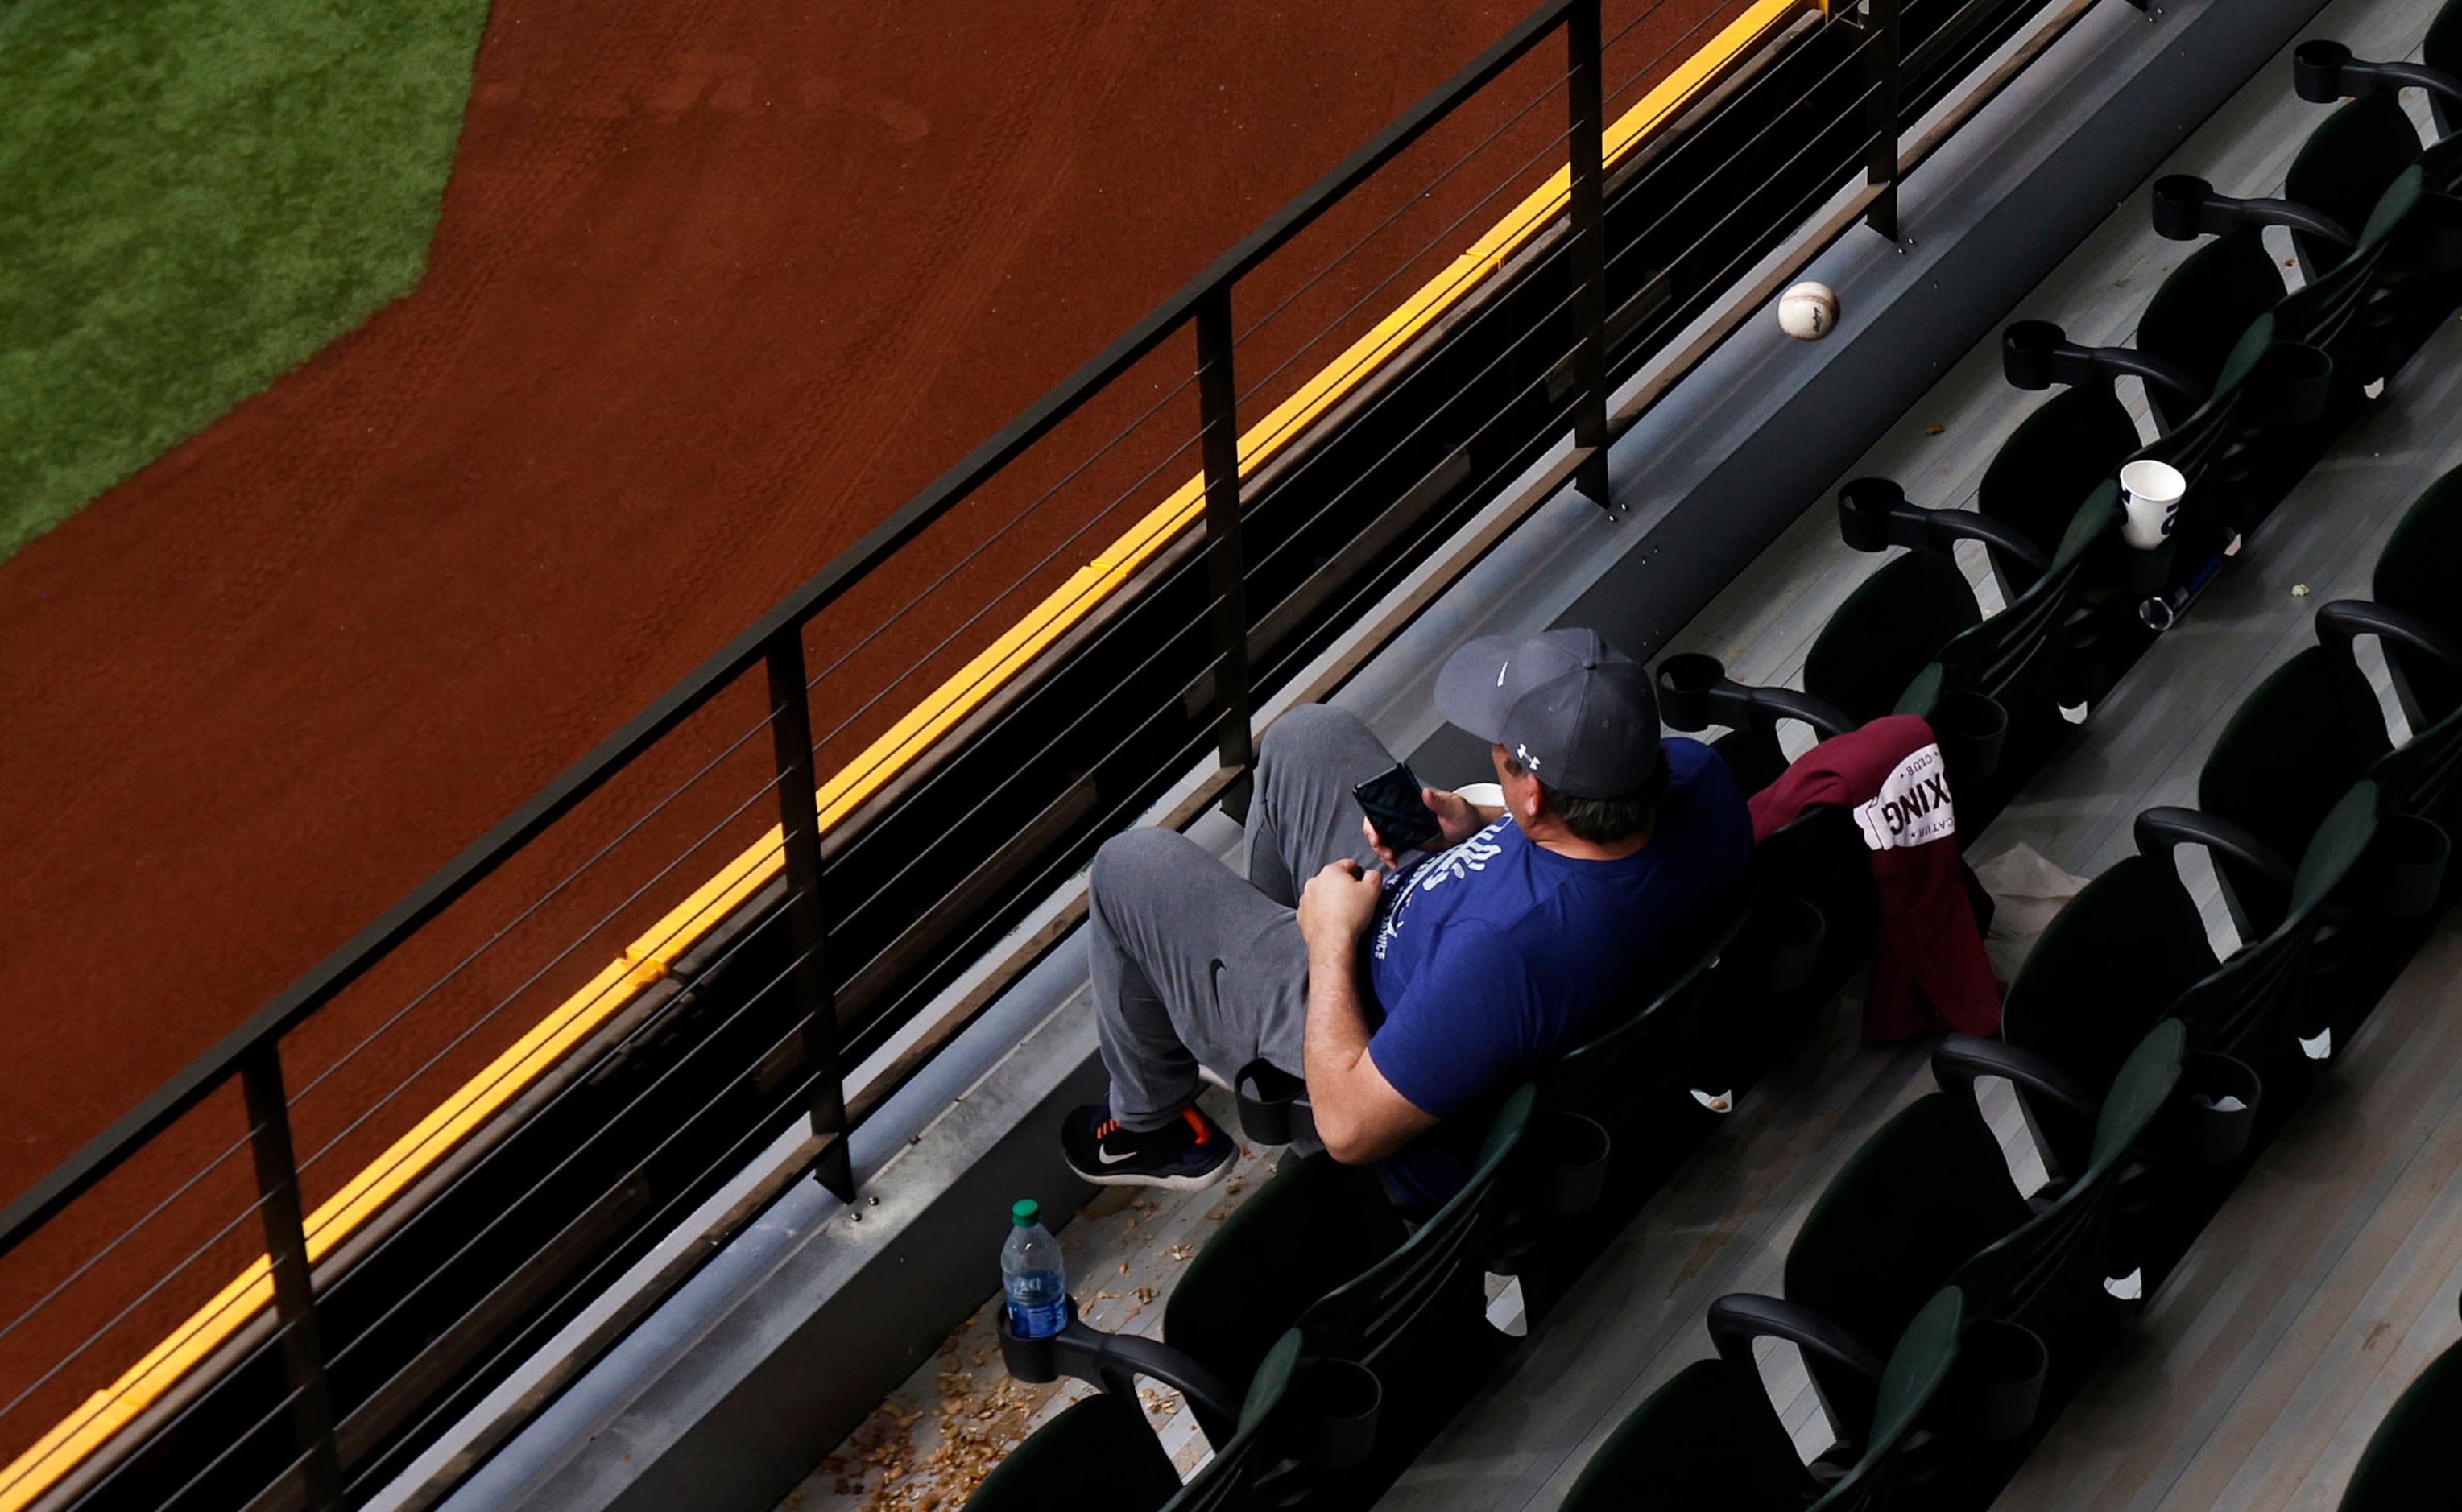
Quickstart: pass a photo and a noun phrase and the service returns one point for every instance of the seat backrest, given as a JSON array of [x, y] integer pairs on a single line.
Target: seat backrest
[[2054, 461], [2414, 574], [2250, 1005], [1357, 1320], [1257, 1467], [2200, 312], [1707, 1439], [2442, 47], [2017, 655], [2346, 163], [1889, 629], [1644, 1055], [1920, 1368], [2289, 753], [2048, 1271], [2107, 970], [2409, 1462], [1917, 1200], [1233, 1300], [1097, 1455]]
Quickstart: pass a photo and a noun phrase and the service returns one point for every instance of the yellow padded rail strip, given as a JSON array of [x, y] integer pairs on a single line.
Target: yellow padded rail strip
[[649, 958]]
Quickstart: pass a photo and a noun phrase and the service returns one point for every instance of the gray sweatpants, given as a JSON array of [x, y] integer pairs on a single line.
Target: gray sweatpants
[[1193, 965]]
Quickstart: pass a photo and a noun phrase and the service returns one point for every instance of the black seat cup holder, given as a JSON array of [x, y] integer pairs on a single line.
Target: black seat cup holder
[[1267, 1094], [2291, 383], [2001, 1366], [2408, 859], [2213, 1110], [1780, 947], [1338, 1402], [1113, 1361], [1865, 507], [1565, 1164], [1686, 682], [2323, 72], [1971, 728], [2146, 571], [2187, 207]]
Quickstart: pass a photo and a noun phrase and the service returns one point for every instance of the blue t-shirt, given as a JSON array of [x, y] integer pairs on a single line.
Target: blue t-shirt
[[1488, 958]]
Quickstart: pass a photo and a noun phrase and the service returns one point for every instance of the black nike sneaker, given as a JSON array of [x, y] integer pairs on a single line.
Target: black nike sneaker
[[1185, 1155]]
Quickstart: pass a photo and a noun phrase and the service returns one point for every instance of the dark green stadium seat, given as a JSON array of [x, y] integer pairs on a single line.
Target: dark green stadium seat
[[2273, 992], [2269, 418], [2344, 167], [1710, 1438], [2414, 574], [1320, 1246], [2409, 1462], [1889, 629], [1928, 1202], [2054, 461], [1098, 1455], [2200, 312], [1707, 1439], [2442, 47], [2107, 970], [1302, 1412]]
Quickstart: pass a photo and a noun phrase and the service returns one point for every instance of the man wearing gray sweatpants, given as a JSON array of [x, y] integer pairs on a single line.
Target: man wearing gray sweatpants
[[1411, 999]]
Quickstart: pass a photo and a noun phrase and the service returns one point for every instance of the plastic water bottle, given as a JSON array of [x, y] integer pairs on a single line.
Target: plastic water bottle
[[1031, 1272]]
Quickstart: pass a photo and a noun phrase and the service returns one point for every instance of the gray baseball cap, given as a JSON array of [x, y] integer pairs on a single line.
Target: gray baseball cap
[[1577, 713]]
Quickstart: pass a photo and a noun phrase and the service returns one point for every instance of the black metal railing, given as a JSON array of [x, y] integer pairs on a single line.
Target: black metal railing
[[361, 1344]]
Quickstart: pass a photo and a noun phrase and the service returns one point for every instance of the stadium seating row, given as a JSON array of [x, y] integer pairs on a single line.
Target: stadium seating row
[[1318, 1338]]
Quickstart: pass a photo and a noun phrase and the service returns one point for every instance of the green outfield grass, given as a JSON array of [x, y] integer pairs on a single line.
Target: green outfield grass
[[195, 196]]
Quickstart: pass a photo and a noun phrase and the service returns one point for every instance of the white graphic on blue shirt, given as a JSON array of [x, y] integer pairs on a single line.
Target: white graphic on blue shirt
[[1449, 866]]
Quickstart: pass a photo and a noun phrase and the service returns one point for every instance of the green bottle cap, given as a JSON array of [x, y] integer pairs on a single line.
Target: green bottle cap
[[1025, 1214]]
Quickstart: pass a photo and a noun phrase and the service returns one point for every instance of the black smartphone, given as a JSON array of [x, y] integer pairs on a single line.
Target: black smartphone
[[1403, 820]]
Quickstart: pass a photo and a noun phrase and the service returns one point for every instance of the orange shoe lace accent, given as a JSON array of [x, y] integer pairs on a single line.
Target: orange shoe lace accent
[[1197, 1121], [1106, 1129]]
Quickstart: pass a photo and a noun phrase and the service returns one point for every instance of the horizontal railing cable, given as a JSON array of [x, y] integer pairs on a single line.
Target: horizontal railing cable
[[484, 1166], [238, 1443], [122, 1315], [97, 1256], [535, 977], [519, 919], [993, 539], [1546, 150], [1045, 561], [1811, 138], [507, 1209], [1408, 204], [251, 1356], [1432, 411]]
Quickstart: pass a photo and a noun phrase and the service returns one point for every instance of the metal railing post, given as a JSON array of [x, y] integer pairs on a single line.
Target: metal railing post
[[294, 1296], [1881, 112], [1218, 405], [799, 821], [1584, 88]]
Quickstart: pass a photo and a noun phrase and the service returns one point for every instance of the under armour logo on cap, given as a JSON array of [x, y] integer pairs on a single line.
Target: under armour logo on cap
[[1521, 754]]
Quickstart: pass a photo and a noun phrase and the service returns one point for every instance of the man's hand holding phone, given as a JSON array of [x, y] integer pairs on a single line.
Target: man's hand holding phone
[[1457, 818]]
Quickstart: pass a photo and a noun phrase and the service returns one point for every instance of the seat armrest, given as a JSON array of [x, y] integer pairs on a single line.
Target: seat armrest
[[2036, 354], [1875, 515], [2187, 207], [1960, 1060], [2344, 620], [1739, 1317], [2161, 830]]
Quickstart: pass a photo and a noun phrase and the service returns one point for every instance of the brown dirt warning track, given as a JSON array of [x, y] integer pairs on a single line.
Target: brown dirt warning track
[[719, 285]]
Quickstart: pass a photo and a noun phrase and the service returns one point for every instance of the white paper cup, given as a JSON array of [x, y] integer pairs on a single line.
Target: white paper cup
[[2150, 498]]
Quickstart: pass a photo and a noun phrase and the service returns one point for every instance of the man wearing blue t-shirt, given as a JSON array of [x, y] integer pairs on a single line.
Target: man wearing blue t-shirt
[[1410, 992]]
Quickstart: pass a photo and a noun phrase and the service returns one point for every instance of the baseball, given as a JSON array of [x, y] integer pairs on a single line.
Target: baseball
[[1808, 311]]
